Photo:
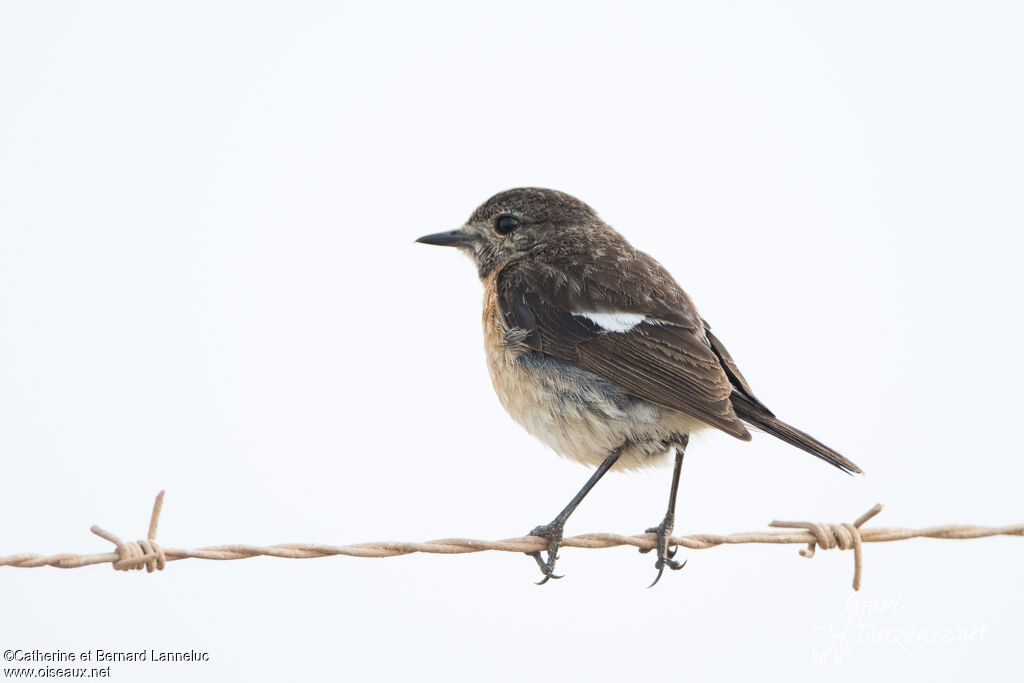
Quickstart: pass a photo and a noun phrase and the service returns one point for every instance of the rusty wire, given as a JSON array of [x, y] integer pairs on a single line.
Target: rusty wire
[[152, 556]]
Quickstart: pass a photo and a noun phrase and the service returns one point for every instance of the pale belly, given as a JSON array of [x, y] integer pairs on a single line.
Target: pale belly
[[582, 416]]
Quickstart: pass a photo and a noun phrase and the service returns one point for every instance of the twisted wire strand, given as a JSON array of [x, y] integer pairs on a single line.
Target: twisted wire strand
[[152, 556]]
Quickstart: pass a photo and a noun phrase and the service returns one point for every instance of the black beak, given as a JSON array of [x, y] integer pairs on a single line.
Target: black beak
[[452, 238]]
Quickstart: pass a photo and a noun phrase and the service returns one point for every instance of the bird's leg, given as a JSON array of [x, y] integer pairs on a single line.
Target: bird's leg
[[553, 530], [664, 530]]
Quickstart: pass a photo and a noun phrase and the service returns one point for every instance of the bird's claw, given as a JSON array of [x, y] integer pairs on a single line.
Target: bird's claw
[[655, 530], [660, 566], [665, 554], [553, 533], [548, 577]]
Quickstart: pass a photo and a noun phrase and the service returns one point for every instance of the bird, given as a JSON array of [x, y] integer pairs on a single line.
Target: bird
[[594, 349]]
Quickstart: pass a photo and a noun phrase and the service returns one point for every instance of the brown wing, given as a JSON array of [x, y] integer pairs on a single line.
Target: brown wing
[[739, 382], [666, 359], [753, 412]]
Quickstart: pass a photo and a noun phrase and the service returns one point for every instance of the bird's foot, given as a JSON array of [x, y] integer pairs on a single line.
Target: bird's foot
[[553, 533], [665, 555]]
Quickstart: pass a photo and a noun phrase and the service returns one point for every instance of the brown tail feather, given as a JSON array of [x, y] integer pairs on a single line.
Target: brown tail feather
[[750, 413], [755, 413]]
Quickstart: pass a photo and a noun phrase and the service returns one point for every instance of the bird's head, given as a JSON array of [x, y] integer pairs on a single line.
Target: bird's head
[[514, 223]]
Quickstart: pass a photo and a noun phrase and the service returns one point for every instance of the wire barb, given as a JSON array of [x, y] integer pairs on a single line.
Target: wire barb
[[139, 554], [844, 536]]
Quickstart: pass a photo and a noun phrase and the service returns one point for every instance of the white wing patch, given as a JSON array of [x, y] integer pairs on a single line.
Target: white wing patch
[[614, 322]]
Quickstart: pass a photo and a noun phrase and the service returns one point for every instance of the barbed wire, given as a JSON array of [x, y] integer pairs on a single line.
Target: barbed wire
[[152, 556]]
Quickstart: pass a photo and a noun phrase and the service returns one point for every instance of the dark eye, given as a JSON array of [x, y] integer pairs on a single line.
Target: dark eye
[[506, 224]]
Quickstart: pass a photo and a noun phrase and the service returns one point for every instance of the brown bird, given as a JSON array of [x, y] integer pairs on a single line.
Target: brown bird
[[596, 351]]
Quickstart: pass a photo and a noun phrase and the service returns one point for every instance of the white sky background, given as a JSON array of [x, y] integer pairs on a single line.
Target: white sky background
[[208, 284]]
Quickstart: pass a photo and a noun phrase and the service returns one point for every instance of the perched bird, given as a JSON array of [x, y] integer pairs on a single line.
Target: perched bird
[[596, 351]]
